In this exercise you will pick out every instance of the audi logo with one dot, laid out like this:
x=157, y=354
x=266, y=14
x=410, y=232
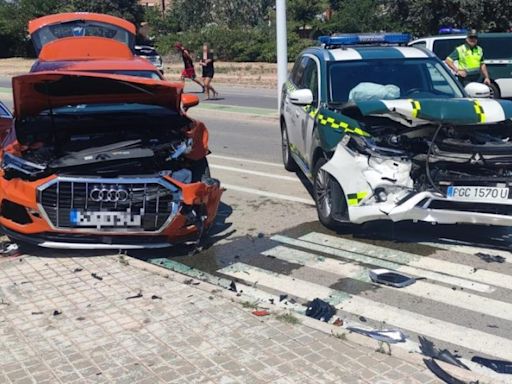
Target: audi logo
x=108, y=194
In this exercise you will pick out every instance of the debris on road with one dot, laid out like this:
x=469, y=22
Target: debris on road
x=320, y=310
x=37, y=313
x=500, y=366
x=232, y=286
x=390, y=336
x=428, y=349
x=282, y=297
x=96, y=276
x=442, y=374
x=338, y=322
x=76, y=270
x=491, y=258
x=260, y=312
x=155, y=297
x=137, y=296
x=57, y=312
x=8, y=248
x=391, y=278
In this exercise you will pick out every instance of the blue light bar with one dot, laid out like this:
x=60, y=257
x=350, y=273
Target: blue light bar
x=377, y=38
x=447, y=30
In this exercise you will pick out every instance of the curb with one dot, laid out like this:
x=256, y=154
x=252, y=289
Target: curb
x=399, y=353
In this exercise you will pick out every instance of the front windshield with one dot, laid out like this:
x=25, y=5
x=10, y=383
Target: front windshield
x=390, y=79
x=79, y=28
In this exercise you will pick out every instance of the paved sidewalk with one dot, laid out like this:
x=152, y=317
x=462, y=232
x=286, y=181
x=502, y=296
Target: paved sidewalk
x=71, y=320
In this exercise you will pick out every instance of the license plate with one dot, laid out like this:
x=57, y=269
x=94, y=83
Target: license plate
x=100, y=219
x=483, y=194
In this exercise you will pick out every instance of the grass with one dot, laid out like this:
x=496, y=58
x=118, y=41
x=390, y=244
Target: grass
x=340, y=335
x=288, y=318
x=250, y=305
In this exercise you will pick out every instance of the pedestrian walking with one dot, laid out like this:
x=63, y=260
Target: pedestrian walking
x=470, y=58
x=189, y=71
x=208, y=71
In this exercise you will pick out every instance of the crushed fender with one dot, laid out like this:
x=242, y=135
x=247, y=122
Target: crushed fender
x=320, y=310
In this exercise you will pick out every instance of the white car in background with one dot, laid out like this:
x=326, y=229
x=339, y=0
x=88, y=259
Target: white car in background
x=149, y=53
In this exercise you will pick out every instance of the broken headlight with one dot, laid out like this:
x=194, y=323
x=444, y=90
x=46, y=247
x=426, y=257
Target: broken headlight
x=368, y=146
x=17, y=164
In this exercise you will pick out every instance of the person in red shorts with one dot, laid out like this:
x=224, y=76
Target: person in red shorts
x=189, y=71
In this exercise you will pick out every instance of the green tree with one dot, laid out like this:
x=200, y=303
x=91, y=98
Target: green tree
x=130, y=10
x=303, y=11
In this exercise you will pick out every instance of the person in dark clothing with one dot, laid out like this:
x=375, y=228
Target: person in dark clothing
x=189, y=71
x=208, y=71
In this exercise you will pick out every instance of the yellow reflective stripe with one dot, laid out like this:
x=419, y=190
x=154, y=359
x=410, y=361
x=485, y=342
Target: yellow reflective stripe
x=479, y=111
x=416, y=108
x=356, y=198
x=337, y=124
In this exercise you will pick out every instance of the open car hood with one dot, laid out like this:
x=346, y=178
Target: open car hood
x=450, y=111
x=85, y=48
x=40, y=91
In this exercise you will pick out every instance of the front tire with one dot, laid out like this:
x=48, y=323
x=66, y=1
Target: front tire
x=495, y=91
x=331, y=205
x=288, y=162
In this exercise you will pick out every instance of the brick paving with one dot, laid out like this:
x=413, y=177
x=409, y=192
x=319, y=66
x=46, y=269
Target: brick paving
x=61, y=324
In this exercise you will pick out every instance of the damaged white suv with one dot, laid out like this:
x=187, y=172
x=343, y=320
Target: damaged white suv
x=385, y=131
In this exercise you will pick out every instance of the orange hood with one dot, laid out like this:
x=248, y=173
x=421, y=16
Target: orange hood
x=40, y=91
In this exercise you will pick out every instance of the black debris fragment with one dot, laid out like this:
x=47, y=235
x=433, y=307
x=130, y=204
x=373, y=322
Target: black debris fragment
x=81, y=318
x=260, y=235
x=57, y=312
x=196, y=283
x=362, y=319
x=155, y=297
x=37, y=313
x=96, y=276
x=232, y=286
x=271, y=301
x=76, y=270
x=500, y=366
x=320, y=310
x=282, y=297
x=390, y=336
x=188, y=281
x=428, y=349
x=137, y=296
x=442, y=374
x=391, y=278
x=491, y=258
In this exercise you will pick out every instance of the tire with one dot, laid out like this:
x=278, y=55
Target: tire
x=331, y=205
x=495, y=91
x=288, y=162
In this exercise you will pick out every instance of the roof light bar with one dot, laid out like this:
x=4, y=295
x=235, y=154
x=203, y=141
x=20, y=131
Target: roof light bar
x=355, y=39
x=448, y=31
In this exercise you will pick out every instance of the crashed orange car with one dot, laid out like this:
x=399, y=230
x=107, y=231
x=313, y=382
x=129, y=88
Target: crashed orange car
x=103, y=160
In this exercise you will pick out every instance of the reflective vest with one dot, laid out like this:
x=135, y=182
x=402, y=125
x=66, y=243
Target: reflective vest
x=470, y=59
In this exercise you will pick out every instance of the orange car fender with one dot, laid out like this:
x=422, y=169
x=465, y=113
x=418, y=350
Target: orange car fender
x=199, y=136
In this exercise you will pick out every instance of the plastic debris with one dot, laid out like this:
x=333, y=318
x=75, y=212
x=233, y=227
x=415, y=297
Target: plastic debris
x=76, y=270
x=260, y=312
x=232, y=286
x=500, y=366
x=391, y=278
x=96, y=276
x=390, y=336
x=442, y=374
x=338, y=322
x=57, y=312
x=282, y=297
x=491, y=258
x=428, y=349
x=320, y=310
x=155, y=297
x=137, y=296
x=8, y=248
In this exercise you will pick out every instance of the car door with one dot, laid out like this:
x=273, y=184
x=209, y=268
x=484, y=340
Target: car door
x=294, y=113
x=307, y=124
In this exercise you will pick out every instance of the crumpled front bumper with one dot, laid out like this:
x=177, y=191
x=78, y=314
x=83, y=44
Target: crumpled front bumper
x=26, y=220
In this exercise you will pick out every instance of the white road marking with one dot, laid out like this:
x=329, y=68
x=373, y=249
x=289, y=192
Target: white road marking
x=462, y=271
x=255, y=173
x=421, y=289
x=271, y=195
x=438, y=329
x=470, y=249
x=396, y=264
x=222, y=157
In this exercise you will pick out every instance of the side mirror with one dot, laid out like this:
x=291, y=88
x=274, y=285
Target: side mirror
x=189, y=100
x=301, y=97
x=478, y=90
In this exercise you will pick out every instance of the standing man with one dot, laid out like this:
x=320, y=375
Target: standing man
x=189, y=71
x=471, y=60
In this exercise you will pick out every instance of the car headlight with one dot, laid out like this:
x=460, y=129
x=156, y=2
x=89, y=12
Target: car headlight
x=368, y=146
x=11, y=162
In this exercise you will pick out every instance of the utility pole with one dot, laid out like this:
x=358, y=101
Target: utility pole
x=282, y=47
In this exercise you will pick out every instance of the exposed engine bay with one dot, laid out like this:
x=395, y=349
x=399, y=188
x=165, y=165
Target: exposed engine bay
x=146, y=140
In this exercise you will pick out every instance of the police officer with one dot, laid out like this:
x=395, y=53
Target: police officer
x=471, y=60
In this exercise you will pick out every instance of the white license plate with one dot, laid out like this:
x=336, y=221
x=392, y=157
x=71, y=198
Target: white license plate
x=483, y=194
x=100, y=219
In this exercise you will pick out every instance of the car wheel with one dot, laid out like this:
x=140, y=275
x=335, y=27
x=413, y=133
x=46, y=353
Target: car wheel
x=330, y=201
x=495, y=91
x=288, y=162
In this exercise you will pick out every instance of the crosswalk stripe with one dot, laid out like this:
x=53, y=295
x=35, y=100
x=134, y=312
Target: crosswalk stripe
x=272, y=195
x=421, y=289
x=384, y=263
x=255, y=173
x=463, y=271
x=438, y=329
x=470, y=250
x=230, y=158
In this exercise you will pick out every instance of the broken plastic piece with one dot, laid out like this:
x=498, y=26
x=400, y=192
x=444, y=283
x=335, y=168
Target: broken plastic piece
x=491, y=258
x=232, y=286
x=260, y=312
x=428, y=349
x=338, y=322
x=391, y=278
x=96, y=276
x=391, y=336
x=442, y=374
x=137, y=296
x=320, y=310
x=500, y=366
x=57, y=312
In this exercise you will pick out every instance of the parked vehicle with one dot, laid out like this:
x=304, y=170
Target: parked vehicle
x=5, y=121
x=497, y=49
x=385, y=131
x=100, y=157
x=150, y=54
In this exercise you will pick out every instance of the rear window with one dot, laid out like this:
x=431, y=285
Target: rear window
x=443, y=48
x=496, y=47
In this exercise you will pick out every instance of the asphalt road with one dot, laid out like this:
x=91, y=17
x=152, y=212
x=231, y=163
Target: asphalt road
x=268, y=242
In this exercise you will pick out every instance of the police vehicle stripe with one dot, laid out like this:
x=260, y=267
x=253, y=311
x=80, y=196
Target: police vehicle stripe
x=345, y=54
x=410, y=52
x=479, y=112
x=380, y=53
x=404, y=107
x=492, y=110
x=356, y=198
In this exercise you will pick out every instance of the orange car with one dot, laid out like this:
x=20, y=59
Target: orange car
x=101, y=160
